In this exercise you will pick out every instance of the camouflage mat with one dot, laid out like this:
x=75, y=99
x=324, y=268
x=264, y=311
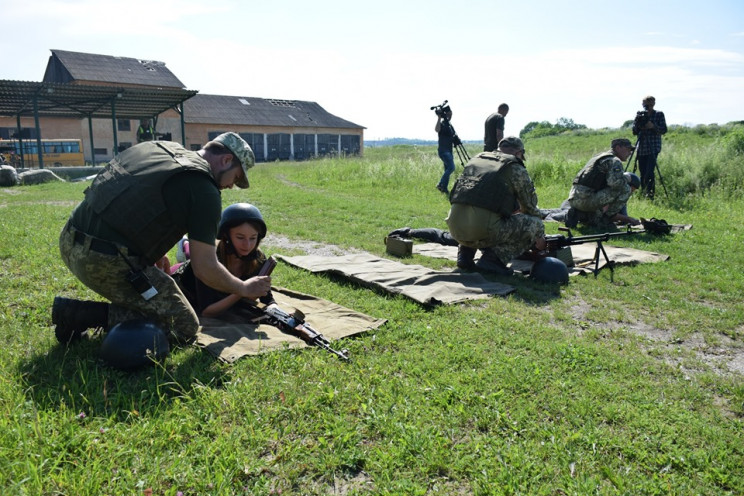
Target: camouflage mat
x=421, y=284
x=233, y=336
x=583, y=256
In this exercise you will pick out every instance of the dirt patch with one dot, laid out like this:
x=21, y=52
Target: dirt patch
x=723, y=358
x=278, y=242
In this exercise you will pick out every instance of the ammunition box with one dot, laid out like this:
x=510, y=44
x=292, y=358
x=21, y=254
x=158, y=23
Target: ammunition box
x=564, y=255
x=398, y=246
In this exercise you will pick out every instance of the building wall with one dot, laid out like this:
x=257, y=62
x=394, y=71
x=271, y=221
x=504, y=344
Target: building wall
x=167, y=122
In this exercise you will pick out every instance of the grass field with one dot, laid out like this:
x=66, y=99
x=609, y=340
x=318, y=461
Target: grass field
x=626, y=387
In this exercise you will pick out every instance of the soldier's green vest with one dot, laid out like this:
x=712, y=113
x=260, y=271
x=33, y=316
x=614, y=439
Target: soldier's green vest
x=127, y=194
x=485, y=183
x=590, y=176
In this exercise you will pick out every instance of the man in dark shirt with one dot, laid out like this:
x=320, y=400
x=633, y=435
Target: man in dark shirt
x=135, y=210
x=649, y=127
x=495, y=128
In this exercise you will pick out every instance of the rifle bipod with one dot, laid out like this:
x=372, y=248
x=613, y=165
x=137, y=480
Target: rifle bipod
x=610, y=263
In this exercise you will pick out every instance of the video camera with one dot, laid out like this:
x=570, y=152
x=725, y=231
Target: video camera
x=440, y=110
x=641, y=118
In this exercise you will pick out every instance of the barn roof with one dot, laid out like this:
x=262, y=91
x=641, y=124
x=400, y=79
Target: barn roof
x=239, y=110
x=68, y=67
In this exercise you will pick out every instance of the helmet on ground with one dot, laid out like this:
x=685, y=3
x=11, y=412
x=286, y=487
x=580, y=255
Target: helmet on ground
x=633, y=180
x=237, y=214
x=133, y=344
x=550, y=270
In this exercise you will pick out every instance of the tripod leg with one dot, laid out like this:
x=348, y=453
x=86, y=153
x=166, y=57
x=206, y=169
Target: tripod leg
x=661, y=180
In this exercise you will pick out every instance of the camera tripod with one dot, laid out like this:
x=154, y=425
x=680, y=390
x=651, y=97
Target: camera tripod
x=635, y=165
x=462, y=153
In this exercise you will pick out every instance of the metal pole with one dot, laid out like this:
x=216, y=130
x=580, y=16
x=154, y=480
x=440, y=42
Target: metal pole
x=20, y=142
x=113, y=121
x=183, y=125
x=38, y=133
x=92, y=145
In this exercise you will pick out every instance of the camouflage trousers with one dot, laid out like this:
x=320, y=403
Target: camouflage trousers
x=479, y=228
x=107, y=275
x=588, y=200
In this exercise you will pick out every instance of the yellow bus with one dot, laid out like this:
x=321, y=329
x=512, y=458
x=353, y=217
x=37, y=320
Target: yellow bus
x=55, y=152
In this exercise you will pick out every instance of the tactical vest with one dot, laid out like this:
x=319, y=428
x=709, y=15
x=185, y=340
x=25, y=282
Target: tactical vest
x=485, y=183
x=127, y=195
x=591, y=176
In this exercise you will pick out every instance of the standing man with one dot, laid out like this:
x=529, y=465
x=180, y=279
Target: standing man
x=145, y=131
x=494, y=209
x=649, y=125
x=135, y=210
x=446, y=136
x=601, y=190
x=495, y=128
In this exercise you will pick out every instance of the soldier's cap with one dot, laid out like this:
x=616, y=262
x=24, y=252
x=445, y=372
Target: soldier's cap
x=242, y=152
x=511, y=142
x=622, y=142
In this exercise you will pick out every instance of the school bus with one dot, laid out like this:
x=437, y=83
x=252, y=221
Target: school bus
x=55, y=152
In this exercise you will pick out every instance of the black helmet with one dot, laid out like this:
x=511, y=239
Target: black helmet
x=134, y=344
x=550, y=270
x=238, y=213
x=633, y=180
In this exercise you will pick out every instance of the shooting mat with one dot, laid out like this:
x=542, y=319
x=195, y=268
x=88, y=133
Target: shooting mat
x=232, y=336
x=583, y=256
x=421, y=284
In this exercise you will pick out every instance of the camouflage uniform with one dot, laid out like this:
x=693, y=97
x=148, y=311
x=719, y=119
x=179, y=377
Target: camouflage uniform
x=486, y=219
x=107, y=275
x=600, y=183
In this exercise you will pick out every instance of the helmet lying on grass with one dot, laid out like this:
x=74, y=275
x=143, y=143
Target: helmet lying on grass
x=133, y=344
x=550, y=270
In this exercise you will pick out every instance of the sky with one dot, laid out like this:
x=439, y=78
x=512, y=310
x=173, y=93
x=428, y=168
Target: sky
x=384, y=64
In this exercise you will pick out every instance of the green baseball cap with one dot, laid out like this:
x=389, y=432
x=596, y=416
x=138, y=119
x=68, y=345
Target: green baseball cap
x=242, y=151
x=622, y=142
x=511, y=142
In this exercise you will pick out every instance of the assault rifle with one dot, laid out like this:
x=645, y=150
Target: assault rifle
x=294, y=323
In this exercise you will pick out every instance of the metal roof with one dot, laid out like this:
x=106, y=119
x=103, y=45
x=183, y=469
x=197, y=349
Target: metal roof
x=65, y=67
x=80, y=101
x=238, y=110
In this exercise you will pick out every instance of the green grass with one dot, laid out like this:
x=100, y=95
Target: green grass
x=600, y=387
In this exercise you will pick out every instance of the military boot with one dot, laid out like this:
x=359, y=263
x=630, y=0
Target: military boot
x=572, y=218
x=489, y=262
x=465, y=257
x=73, y=317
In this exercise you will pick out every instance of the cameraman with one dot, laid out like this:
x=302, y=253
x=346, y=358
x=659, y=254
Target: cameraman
x=446, y=139
x=649, y=125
